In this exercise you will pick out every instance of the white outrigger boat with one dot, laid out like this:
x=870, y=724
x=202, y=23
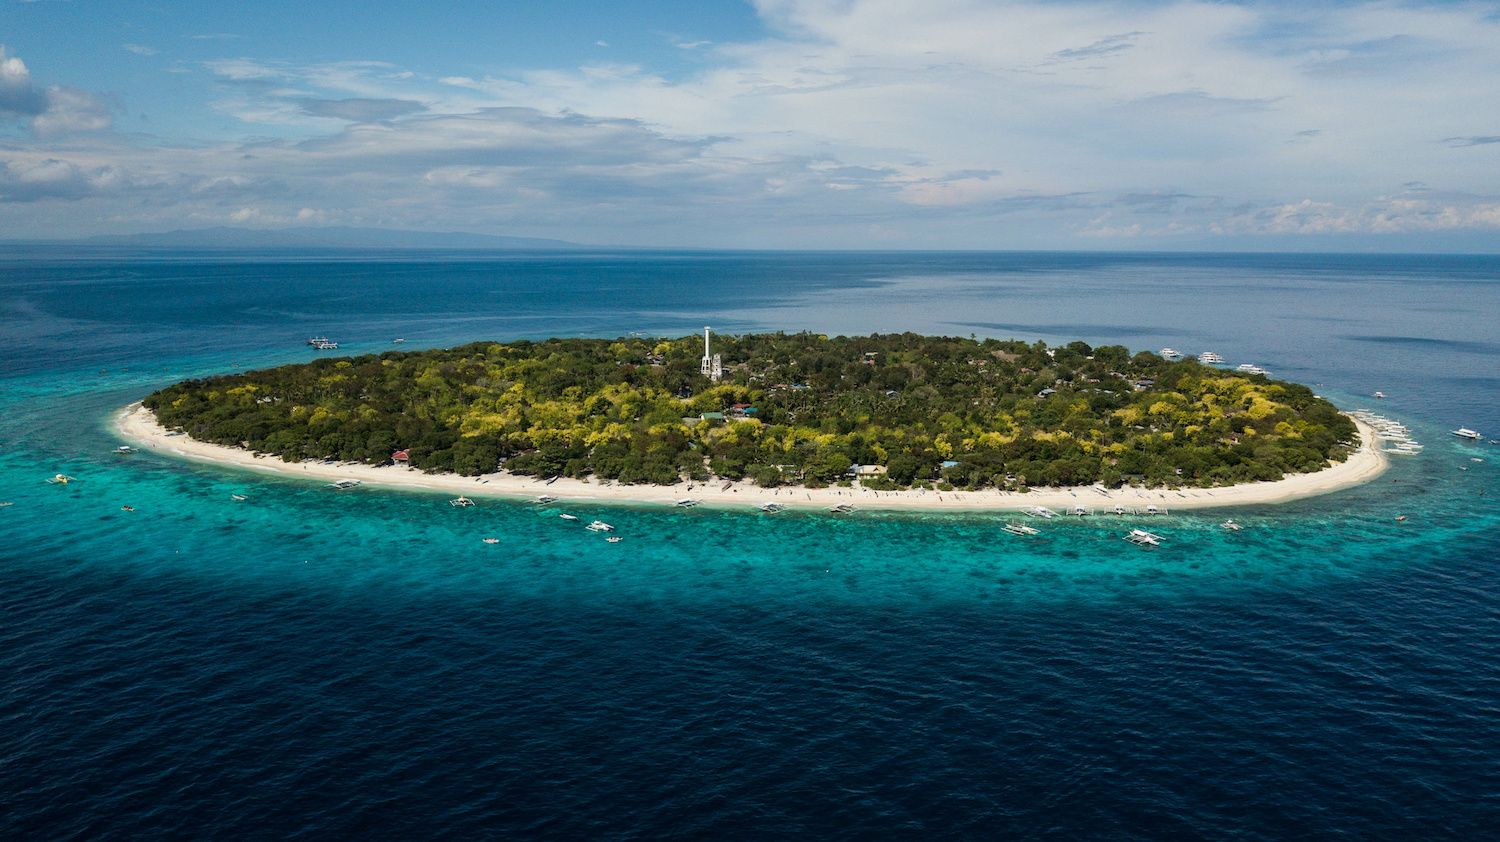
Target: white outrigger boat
x=842, y=509
x=543, y=500
x=686, y=503
x=1021, y=529
x=1080, y=511
x=124, y=449
x=61, y=479
x=599, y=526
x=342, y=484
x=1038, y=511
x=1231, y=526
x=1142, y=538
x=1119, y=509
x=1151, y=509
x=461, y=503
x=771, y=507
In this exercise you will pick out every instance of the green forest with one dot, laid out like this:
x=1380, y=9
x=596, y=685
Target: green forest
x=892, y=410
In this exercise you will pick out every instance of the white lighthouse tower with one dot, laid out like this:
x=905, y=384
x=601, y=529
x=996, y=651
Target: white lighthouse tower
x=712, y=366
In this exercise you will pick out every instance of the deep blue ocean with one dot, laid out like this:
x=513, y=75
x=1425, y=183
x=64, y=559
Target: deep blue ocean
x=318, y=665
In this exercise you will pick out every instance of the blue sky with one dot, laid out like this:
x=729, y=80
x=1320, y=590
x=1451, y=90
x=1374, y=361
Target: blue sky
x=773, y=124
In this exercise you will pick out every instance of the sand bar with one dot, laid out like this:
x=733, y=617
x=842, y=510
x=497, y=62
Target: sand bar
x=139, y=425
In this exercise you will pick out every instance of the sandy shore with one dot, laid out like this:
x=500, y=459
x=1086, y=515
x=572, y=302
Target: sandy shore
x=138, y=424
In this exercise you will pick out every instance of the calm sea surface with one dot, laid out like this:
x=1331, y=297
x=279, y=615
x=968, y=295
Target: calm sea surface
x=306, y=664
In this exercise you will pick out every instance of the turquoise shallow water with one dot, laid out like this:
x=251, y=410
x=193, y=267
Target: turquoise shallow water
x=309, y=663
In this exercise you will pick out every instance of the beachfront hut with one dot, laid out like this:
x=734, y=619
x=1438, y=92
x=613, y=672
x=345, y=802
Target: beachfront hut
x=400, y=457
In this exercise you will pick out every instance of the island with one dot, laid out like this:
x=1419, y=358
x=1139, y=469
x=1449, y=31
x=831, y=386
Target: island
x=899, y=413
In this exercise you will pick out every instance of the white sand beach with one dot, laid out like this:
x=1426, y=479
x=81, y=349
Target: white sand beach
x=139, y=425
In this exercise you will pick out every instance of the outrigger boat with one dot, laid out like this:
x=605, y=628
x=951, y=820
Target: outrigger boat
x=567, y=517
x=1142, y=538
x=614, y=539
x=124, y=449
x=1119, y=510
x=1153, y=510
x=1080, y=511
x=1231, y=525
x=1038, y=511
x=342, y=484
x=543, y=500
x=771, y=507
x=492, y=540
x=686, y=503
x=1020, y=529
x=461, y=503
x=599, y=526
x=62, y=479
x=842, y=509
x=238, y=497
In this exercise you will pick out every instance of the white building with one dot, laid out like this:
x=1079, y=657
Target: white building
x=712, y=366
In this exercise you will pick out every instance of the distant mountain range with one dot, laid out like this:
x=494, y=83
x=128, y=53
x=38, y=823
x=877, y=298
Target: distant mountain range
x=331, y=237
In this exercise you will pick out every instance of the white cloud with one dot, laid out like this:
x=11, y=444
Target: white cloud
x=954, y=122
x=141, y=50
x=50, y=111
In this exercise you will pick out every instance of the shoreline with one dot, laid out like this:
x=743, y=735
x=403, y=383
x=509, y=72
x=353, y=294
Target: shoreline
x=139, y=425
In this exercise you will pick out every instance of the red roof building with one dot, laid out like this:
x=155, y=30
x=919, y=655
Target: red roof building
x=399, y=456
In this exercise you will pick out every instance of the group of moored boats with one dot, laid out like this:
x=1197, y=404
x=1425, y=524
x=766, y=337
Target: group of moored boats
x=1211, y=358
x=1394, y=437
x=1085, y=511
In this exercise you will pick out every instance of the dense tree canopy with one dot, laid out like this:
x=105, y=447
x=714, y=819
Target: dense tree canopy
x=791, y=408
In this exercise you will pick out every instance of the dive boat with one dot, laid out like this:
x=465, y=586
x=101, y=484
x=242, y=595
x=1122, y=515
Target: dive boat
x=1210, y=358
x=1171, y=353
x=1380, y=395
x=1466, y=433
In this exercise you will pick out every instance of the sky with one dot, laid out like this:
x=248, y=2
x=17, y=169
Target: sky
x=839, y=124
